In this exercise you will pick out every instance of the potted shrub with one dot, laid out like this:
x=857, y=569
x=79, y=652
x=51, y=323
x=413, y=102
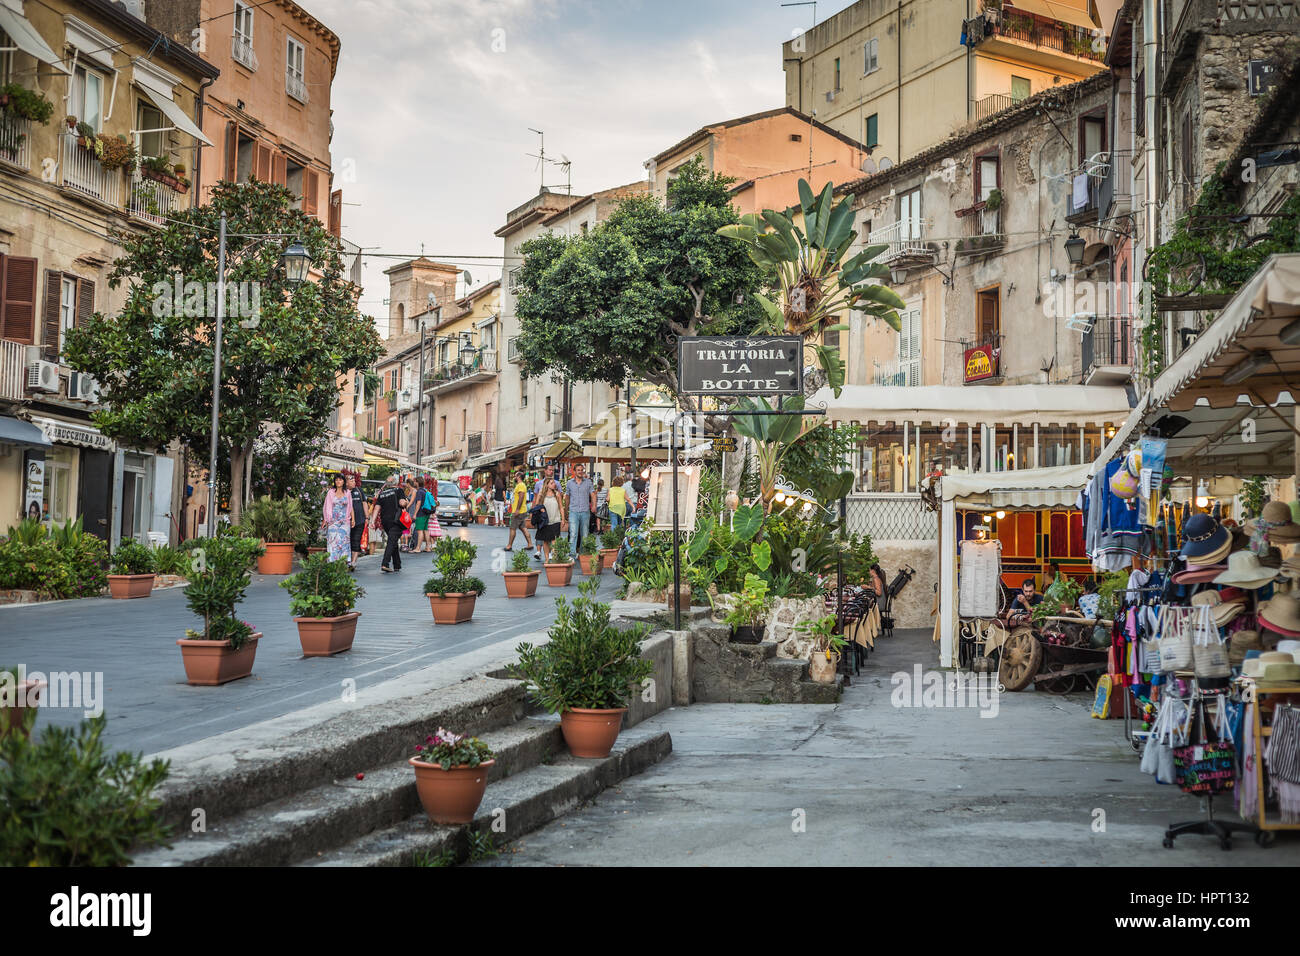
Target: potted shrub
x=586, y=673
x=559, y=570
x=115, y=152
x=132, y=571
x=748, y=614
x=18, y=696
x=452, y=592
x=826, y=648
x=26, y=104
x=589, y=556
x=521, y=579
x=611, y=539
x=451, y=772
x=279, y=523
x=224, y=650
x=321, y=598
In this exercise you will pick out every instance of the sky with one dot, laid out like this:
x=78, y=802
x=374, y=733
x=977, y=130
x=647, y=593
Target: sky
x=433, y=101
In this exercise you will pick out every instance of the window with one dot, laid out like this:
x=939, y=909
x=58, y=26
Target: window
x=523, y=392
x=909, y=214
x=151, y=129
x=488, y=334
x=870, y=56
x=837, y=86
x=547, y=413
x=1092, y=137
x=392, y=433
x=67, y=308
x=442, y=431
x=1140, y=105
x=988, y=319
x=242, y=43
x=6, y=57
x=909, y=347
x=86, y=100
x=873, y=130
x=988, y=174
x=1020, y=88
x=295, y=70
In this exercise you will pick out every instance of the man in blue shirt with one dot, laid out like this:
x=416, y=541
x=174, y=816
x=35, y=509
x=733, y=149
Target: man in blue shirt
x=581, y=496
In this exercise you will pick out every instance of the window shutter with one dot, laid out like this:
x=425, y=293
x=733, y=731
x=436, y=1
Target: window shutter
x=50, y=315
x=18, y=298
x=336, y=214
x=279, y=168
x=85, y=301
x=310, y=185
x=262, y=162
x=232, y=152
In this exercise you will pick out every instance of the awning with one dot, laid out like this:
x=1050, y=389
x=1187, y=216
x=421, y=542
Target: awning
x=174, y=113
x=993, y=405
x=375, y=455
x=1026, y=488
x=330, y=463
x=15, y=431
x=1056, y=10
x=487, y=458
x=442, y=456
x=26, y=38
x=568, y=445
x=69, y=433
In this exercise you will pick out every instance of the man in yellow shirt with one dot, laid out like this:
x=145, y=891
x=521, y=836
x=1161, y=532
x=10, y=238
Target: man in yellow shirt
x=518, y=511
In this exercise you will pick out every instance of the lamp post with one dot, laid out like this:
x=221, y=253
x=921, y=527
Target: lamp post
x=1074, y=247
x=296, y=262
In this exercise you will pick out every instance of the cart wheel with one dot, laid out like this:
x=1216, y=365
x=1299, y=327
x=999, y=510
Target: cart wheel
x=1169, y=843
x=1265, y=837
x=1022, y=655
x=1062, y=685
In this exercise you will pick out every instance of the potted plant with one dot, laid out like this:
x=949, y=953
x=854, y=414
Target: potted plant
x=611, y=539
x=26, y=104
x=994, y=201
x=586, y=673
x=451, y=773
x=17, y=696
x=279, y=523
x=559, y=570
x=589, y=556
x=132, y=571
x=115, y=152
x=826, y=648
x=748, y=614
x=452, y=592
x=521, y=579
x=321, y=598
x=85, y=134
x=224, y=650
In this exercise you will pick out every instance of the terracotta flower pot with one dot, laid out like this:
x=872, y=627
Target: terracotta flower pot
x=481, y=519
x=453, y=607
x=124, y=586
x=559, y=575
x=208, y=663
x=607, y=555
x=28, y=694
x=450, y=796
x=591, y=733
x=278, y=558
x=592, y=564
x=325, y=636
x=521, y=584
x=822, y=668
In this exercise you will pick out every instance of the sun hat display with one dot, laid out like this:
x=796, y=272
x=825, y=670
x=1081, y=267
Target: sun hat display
x=1240, y=642
x=1291, y=566
x=1281, y=613
x=1273, y=525
x=1290, y=647
x=1203, y=539
x=1221, y=612
x=1245, y=571
x=1271, y=558
x=1133, y=462
x=1272, y=666
x=1230, y=595
x=1199, y=573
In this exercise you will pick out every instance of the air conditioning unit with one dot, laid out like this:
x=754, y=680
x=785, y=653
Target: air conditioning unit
x=83, y=388
x=405, y=400
x=43, y=377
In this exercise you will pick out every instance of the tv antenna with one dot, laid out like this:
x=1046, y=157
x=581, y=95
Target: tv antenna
x=542, y=160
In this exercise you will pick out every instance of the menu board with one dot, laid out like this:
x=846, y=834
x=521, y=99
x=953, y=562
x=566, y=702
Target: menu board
x=979, y=579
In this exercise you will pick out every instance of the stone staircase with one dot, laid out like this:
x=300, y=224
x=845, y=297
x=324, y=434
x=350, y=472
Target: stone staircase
x=726, y=672
x=296, y=799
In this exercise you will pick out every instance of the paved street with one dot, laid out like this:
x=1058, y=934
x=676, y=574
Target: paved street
x=151, y=708
x=880, y=785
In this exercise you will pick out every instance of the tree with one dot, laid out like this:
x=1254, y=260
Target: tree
x=154, y=359
x=610, y=305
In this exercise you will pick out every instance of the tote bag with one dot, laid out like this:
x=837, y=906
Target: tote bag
x=1175, y=639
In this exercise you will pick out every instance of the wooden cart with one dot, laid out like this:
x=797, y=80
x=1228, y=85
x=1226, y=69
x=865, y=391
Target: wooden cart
x=1056, y=655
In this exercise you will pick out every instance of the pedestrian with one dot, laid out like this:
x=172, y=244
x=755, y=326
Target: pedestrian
x=581, y=501
x=602, y=504
x=617, y=503
x=519, y=513
x=499, y=498
x=550, y=500
x=548, y=474
x=431, y=502
x=359, y=518
x=390, y=501
x=337, y=518
x=420, y=531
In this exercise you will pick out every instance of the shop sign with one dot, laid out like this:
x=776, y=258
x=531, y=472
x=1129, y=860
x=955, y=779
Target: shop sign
x=981, y=362
x=727, y=445
x=33, y=484
x=723, y=365
x=463, y=481
x=65, y=433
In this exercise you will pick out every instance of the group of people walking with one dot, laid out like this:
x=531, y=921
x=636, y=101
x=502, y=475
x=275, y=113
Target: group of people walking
x=405, y=510
x=576, y=509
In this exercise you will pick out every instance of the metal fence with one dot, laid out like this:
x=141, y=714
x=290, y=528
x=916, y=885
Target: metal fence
x=892, y=517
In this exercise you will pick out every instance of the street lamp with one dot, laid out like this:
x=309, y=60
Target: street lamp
x=296, y=262
x=1074, y=247
x=897, y=276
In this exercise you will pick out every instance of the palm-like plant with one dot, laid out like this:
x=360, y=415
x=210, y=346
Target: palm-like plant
x=773, y=436
x=813, y=282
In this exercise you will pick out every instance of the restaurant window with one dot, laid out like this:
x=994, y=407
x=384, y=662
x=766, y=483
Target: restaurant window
x=1058, y=446
x=1004, y=450
x=1093, y=440
x=881, y=458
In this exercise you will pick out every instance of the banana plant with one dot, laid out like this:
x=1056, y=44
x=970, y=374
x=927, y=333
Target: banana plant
x=772, y=435
x=812, y=282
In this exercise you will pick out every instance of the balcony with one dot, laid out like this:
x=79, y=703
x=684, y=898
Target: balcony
x=1108, y=350
x=1049, y=43
x=15, y=140
x=476, y=443
x=907, y=243
x=893, y=374
x=981, y=231
x=995, y=103
x=472, y=366
x=82, y=173
x=1081, y=215
x=296, y=87
x=13, y=370
x=241, y=49
x=153, y=201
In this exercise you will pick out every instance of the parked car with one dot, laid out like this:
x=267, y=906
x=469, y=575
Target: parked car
x=453, y=508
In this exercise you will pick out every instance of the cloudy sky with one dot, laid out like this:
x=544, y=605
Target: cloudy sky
x=434, y=99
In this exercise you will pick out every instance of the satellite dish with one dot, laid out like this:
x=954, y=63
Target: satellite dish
x=469, y=280
x=885, y=163
x=868, y=165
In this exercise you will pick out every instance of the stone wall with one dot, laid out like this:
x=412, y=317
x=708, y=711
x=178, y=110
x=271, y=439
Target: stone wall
x=912, y=607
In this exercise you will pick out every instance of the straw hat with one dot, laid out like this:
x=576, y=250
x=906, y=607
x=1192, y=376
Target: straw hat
x=1239, y=642
x=1221, y=612
x=1277, y=521
x=1272, y=665
x=1231, y=595
x=1281, y=614
x=1198, y=573
x=1291, y=566
x=1204, y=539
x=1246, y=571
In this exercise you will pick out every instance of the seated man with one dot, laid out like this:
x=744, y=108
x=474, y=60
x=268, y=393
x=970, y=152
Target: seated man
x=1027, y=599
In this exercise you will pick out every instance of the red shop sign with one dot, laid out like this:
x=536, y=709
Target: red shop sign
x=981, y=362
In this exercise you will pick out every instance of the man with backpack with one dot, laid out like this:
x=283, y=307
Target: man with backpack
x=519, y=512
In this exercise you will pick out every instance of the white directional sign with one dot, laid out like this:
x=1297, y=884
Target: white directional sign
x=723, y=365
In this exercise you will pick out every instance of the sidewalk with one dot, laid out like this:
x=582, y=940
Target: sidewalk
x=880, y=785
x=150, y=707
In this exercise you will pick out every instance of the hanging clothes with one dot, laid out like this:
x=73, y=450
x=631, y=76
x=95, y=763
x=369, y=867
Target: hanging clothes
x=1282, y=757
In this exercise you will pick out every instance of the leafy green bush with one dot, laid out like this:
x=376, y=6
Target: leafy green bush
x=67, y=802
x=520, y=563
x=29, y=104
x=168, y=560
x=65, y=563
x=453, y=558
x=611, y=537
x=276, y=520
x=449, y=750
x=588, y=663
x=219, y=576
x=561, y=551
x=132, y=557
x=589, y=546
x=752, y=604
x=323, y=588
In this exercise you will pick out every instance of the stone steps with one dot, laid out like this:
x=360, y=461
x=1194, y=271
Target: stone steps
x=727, y=672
